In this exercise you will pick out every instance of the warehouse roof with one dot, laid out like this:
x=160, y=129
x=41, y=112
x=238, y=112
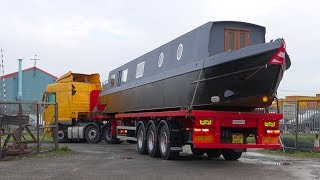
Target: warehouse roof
x=25, y=70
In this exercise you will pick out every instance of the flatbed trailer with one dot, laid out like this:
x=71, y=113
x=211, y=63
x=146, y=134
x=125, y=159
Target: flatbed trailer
x=215, y=133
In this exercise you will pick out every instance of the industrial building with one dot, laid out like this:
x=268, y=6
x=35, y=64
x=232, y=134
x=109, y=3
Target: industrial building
x=33, y=83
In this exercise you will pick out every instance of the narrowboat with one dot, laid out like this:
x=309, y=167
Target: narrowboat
x=224, y=65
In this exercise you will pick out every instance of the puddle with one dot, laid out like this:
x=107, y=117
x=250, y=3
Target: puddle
x=125, y=158
x=283, y=163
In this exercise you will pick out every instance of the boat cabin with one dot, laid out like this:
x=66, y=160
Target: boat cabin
x=205, y=41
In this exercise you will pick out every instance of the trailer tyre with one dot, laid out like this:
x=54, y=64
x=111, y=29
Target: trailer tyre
x=231, y=155
x=107, y=135
x=164, y=144
x=152, y=141
x=92, y=134
x=213, y=153
x=141, y=140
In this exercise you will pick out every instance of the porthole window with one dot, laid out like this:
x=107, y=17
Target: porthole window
x=160, y=60
x=179, y=52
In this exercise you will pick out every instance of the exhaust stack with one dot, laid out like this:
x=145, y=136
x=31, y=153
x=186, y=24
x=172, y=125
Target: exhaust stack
x=19, y=96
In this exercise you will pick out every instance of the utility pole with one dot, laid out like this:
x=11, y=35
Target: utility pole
x=3, y=82
x=35, y=59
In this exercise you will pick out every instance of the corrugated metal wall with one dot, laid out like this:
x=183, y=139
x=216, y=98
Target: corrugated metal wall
x=34, y=83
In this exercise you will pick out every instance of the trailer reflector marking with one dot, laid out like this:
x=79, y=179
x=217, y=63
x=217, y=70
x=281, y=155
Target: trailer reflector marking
x=203, y=139
x=269, y=124
x=205, y=122
x=270, y=140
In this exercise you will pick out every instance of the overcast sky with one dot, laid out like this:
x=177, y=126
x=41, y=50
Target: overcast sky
x=97, y=36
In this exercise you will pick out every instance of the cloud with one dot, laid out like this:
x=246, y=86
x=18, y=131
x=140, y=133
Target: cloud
x=85, y=36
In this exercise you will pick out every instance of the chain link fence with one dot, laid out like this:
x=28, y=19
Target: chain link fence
x=23, y=130
x=300, y=124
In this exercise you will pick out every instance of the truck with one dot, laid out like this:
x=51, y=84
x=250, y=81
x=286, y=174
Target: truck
x=81, y=116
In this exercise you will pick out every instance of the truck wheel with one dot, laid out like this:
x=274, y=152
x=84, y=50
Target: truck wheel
x=213, y=153
x=164, y=144
x=107, y=135
x=231, y=155
x=198, y=152
x=152, y=141
x=92, y=134
x=62, y=135
x=141, y=140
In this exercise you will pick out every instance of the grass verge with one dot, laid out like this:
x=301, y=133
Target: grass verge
x=291, y=153
x=51, y=152
x=44, y=152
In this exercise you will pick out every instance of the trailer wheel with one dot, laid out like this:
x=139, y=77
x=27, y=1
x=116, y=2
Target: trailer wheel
x=107, y=136
x=152, y=141
x=164, y=144
x=92, y=134
x=213, y=153
x=141, y=140
x=231, y=155
x=198, y=152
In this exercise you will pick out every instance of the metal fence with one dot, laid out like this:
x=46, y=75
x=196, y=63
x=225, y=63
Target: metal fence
x=23, y=130
x=300, y=124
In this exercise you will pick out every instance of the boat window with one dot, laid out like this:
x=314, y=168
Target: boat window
x=242, y=40
x=179, y=51
x=231, y=40
x=112, y=80
x=160, y=60
x=124, y=76
x=236, y=39
x=140, y=70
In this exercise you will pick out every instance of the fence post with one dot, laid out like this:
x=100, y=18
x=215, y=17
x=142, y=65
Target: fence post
x=0, y=138
x=297, y=125
x=38, y=129
x=56, y=144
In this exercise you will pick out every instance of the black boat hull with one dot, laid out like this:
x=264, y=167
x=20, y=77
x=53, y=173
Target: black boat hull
x=240, y=85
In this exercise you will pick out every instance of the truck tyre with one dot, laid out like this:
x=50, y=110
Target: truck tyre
x=62, y=134
x=141, y=140
x=164, y=144
x=152, y=141
x=231, y=155
x=92, y=134
x=213, y=153
x=107, y=136
x=198, y=152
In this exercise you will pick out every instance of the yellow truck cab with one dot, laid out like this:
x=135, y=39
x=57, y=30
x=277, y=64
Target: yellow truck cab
x=77, y=96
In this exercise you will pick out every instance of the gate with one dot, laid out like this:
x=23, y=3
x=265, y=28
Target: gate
x=300, y=124
x=22, y=128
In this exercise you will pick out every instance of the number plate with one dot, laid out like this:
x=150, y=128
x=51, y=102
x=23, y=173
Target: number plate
x=237, y=139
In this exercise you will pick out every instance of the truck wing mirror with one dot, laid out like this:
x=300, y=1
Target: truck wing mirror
x=43, y=97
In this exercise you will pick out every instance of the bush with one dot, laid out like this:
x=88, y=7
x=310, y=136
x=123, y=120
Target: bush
x=305, y=141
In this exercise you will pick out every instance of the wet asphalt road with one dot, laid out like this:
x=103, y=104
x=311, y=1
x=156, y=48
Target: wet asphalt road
x=104, y=161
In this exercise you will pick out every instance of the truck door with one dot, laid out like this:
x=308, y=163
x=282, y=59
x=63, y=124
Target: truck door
x=48, y=107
